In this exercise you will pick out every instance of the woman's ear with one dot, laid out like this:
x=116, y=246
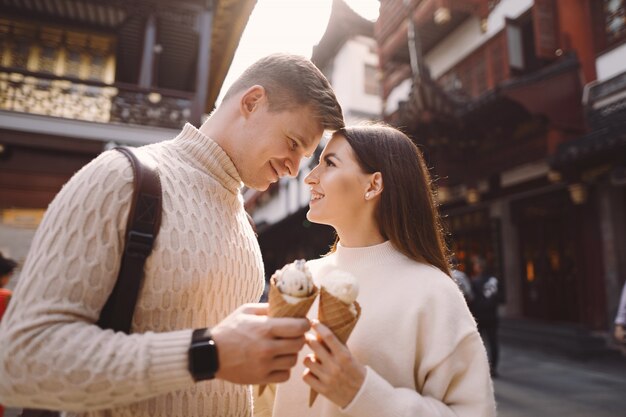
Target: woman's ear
x=375, y=186
x=250, y=99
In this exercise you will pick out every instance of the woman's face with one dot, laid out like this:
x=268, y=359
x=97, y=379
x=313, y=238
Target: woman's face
x=338, y=186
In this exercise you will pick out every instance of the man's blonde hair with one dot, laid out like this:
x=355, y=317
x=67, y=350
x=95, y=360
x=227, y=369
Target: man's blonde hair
x=289, y=81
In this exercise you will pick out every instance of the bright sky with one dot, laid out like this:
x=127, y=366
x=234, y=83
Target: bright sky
x=292, y=26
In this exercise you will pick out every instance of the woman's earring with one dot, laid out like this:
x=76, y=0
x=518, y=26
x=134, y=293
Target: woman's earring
x=367, y=196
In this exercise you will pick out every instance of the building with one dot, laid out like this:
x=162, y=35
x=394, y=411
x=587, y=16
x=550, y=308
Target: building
x=519, y=107
x=347, y=55
x=79, y=76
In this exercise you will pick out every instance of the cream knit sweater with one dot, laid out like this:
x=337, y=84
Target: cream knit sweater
x=416, y=337
x=206, y=262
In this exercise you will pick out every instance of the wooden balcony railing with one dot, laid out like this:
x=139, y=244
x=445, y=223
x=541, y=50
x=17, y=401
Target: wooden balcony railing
x=481, y=71
x=49, y=95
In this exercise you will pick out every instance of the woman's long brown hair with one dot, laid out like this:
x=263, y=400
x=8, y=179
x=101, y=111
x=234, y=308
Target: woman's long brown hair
x=406, y=214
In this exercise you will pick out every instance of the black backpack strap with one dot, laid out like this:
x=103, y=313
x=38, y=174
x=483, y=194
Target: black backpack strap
x=144, y=220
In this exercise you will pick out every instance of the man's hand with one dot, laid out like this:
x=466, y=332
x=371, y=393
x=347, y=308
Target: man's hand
x=255, y=349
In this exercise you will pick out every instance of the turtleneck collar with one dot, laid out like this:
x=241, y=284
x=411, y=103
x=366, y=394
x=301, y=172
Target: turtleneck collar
x=207, y=155
x=368, y=255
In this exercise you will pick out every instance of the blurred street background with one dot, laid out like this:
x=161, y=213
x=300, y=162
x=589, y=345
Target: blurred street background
x=518, y=105
x=535, y=384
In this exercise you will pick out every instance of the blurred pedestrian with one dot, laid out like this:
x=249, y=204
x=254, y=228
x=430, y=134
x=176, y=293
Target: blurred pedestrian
x=7, y=266
x=484, y=307
x=620, y=318
x=461, y=279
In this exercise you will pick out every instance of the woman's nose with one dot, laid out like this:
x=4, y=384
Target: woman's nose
x=311, y=177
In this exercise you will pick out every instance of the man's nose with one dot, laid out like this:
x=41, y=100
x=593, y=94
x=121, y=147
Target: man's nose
x=292, y=166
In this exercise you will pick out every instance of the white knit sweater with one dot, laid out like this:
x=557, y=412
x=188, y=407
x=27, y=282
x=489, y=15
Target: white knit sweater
x=205, y=263
x=416, y=337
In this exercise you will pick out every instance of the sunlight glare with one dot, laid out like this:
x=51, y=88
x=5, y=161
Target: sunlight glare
x=292, y=26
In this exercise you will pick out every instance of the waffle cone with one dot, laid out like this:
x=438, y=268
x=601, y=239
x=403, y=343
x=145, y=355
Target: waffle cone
x=278, y=307
x=336, y=315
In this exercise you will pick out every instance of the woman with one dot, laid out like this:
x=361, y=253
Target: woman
x=415, y=350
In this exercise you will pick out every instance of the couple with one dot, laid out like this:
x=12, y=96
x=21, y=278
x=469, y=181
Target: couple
x=415, y=350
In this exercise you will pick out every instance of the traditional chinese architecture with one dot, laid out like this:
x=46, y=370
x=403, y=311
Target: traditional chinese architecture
x=79, y=75
x=525, y=138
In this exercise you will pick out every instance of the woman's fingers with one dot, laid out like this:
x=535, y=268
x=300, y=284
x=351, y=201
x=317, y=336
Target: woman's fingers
x=315, y=367
x=328, y=337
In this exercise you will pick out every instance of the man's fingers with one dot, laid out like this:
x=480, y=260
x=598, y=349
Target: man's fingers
x=281, y=347
x=284, y=362
x=277, y=376
x=258, y=309
x=286, y=327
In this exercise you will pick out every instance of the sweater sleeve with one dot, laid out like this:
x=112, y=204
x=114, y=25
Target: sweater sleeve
x=52, y=354
x=464, y=372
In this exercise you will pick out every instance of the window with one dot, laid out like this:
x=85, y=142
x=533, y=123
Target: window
x=371, y=86
x=615, y=20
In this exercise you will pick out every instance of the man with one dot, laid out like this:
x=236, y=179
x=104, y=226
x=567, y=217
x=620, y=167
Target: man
x=484, y=307
x=205, y=264
x=461, y=280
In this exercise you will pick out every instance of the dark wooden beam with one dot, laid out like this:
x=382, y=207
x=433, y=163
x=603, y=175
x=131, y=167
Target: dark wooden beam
x=147, y=59
x=205, y=20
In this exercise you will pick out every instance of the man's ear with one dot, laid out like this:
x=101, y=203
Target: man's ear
x=251, y=99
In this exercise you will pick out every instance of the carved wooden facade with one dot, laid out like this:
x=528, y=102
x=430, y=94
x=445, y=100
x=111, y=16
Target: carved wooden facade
x=76, y=75
x=519, y=173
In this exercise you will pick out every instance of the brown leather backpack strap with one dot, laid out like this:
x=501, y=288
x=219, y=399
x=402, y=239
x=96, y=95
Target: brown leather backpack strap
x=144, y=221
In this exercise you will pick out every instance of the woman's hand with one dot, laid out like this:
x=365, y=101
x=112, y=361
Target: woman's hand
x=332, y=370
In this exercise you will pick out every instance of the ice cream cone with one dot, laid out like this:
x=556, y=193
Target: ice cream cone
x=338, y=317
x=279, y=307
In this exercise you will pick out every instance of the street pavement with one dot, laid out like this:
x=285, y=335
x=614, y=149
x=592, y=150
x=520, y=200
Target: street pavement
x=536, y=384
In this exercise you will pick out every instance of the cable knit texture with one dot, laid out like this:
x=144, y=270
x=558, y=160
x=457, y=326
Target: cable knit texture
x=206, y=262
x=416, y=337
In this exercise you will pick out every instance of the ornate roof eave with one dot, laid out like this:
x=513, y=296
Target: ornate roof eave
x=429, y=103
x=342, y=24
x=229, y=22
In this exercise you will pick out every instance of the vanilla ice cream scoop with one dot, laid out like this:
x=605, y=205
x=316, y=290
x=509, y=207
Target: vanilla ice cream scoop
x=342, y=285
x=295, y=280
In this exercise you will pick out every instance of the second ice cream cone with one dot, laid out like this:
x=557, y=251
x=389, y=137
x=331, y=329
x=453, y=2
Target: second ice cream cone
x=338, y=317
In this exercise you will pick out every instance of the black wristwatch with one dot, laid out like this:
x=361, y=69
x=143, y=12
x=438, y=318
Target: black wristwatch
x=203, y=360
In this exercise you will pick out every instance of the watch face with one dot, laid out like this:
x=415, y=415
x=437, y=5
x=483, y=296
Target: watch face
x=203, y=361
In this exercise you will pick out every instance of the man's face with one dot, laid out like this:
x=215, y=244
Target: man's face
x=275, y=142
